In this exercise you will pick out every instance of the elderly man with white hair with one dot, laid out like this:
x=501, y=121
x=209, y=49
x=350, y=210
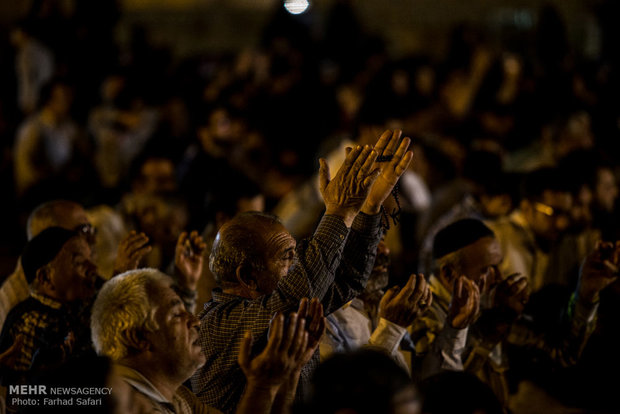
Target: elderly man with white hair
x=140, y=322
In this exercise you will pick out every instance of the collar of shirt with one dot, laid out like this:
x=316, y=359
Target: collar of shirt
x=46, y=300
x=140, y=383
x=220, y=296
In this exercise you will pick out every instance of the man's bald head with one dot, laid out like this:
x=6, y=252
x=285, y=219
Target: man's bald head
x=243, y=241
x=57, y=213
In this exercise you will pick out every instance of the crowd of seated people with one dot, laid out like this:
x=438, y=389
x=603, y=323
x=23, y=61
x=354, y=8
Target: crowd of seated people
x=258, y=233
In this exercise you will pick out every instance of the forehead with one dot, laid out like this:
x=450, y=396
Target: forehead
x=76, y=246
x=557, y=199
x=157, y=166
x=71, y=216
x=484, y=252
x=163, y=296
x=278, y=239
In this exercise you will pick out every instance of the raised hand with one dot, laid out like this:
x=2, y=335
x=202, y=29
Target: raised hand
x=465, y=303
x=345, y=194
x=312, y=311
x=513, y=293
x=401, y=306
x=393, y=159
x=130, y=251
x=600, y=269
x=282, y=355
x=189, y=259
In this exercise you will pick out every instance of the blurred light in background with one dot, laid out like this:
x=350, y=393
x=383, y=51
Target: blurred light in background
x=296, y=6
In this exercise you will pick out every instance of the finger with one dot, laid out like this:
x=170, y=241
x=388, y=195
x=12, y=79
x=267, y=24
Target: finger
x=133, y=239
x=401, y=151
x=428, y=298
x=302, y=311
x=458, y=287
x=513, y=278
x=245, y=350
x=276, y=332
x=368, y=163
x=482, y=283
x=324, y=176
x=393, y=142
x=350, y=160
x=128, y=236
x=317, y=316
x=383, y=142
x=303, y=346
x=420, y=289
x=408, y=289
x=140, y=253
x=475, y=299
x=610, y=266
x=291, y=329
x=347, y=151
x=300, y=332
x=517, y=287
x=372, y=177
x=360, y=161
x=181, y=240
x=404, y=163
x=389, y=295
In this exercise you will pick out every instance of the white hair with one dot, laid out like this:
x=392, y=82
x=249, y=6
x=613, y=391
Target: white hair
x=124, y=311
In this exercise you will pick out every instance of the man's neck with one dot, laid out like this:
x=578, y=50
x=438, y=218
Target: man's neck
x=239, y=290
x=166, y=384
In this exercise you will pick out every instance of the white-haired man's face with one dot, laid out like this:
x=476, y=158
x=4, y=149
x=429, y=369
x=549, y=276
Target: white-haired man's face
x=176, y=342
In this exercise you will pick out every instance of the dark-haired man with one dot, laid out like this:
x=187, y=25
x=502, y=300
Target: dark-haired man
x=528, y=236
x=58, y=268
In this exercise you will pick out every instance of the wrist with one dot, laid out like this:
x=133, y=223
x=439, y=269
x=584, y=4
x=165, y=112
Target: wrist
x=371, y=208
x=345, y=214
x=263, y=387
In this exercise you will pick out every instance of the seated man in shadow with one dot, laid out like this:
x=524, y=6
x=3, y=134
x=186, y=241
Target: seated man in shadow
x=50, y=323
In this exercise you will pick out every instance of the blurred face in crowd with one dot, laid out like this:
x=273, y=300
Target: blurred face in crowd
x=73, y=217
x=72, y=274
x=68, y=215
x=480, y=262
x=406, y=401
x=581, y=214
x=175, y=343
x=606, y=190
x=157, y=176
x=279, y=256
x=60, y=100
x=550, y=217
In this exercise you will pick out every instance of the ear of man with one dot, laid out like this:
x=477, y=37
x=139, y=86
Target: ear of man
x=43, y=280
x=447, y=275
x=246, y=277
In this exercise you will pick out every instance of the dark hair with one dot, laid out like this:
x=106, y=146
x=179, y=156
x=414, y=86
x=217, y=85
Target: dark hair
x=537, y=182
x=43, y=248
x=454, y=392
x=365, y=380
x=459, y=234
x=47, y=90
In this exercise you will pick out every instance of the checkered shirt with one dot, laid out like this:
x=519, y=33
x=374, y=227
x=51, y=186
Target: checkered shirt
x=334, y=265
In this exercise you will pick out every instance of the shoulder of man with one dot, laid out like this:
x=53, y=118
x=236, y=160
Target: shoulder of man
x=195, y=404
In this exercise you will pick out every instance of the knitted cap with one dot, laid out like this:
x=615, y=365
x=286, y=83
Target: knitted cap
x=458, y=235
x=43, y=248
